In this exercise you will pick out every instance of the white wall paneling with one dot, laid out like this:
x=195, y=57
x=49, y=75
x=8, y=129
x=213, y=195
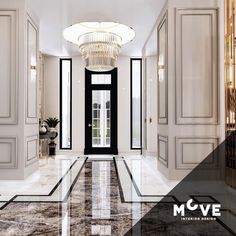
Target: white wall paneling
x=162, y=41
x=162, y=148
x=18, y=49
x=196, y=66
x=8, y=68
x=189, y=56
x=8, y=150
x=31, y=150
x=32, y=73
x=151, y=105
x=41, y=97
x=190, y=151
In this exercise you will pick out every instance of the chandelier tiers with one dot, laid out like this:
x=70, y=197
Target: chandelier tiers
x=99, y=42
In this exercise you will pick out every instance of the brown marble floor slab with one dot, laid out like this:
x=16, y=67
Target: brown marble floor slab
x=94, y=207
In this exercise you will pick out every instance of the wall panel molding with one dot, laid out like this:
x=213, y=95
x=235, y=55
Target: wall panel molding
x=32, y=149
x=196, y=66
x=162, y=72
x=9, y=66
x=32, y=73
x=162, y=149
x=8, y=150
x=191, y=151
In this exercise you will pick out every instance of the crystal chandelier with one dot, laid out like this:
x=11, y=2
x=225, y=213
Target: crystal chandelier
x=99, y=42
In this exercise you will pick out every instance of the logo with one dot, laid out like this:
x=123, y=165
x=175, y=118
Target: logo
x=204, y=209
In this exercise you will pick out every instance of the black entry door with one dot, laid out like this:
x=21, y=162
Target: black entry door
x=101, y=112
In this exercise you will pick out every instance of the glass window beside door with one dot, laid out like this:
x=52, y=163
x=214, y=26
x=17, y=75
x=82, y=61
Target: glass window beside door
x=136, y=103
x=65, y=103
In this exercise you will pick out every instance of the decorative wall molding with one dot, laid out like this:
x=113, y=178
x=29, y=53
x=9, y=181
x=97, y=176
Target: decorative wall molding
x=191, y=151
x=32, y=149
x=8, y=150
x=162, y=149
x=196, y=66
x=32, y=73
x=9, y=66
x=162, y=72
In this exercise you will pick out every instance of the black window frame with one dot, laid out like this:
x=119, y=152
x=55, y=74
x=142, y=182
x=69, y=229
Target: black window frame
x=131, y=103
x=60, y=135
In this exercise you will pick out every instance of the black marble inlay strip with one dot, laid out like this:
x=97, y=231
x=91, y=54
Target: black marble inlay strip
x=7, y=203
x=119, y=183
x=136, y=186
x=175, y=200
x=75, y=180
x=52, y=191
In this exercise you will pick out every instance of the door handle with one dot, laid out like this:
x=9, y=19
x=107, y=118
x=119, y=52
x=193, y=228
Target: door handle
x=90, y=125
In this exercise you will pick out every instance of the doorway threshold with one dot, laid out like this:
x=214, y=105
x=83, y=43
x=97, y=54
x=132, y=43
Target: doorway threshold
x=102, y=157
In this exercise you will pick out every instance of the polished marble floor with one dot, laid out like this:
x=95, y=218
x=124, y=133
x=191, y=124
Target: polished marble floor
x=140, y=183
x=50, y=171
x=72, y=195
x=86, y=202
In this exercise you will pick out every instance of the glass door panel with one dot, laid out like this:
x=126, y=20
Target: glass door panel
x=100, y=118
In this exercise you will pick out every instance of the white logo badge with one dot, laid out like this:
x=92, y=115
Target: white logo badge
x=180, y=210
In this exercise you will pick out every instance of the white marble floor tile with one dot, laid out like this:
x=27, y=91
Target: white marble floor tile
x=41, y=182
x=148, y=181
x=100, y=157
x=61, y=191
x=132, y=194
x=2, y=203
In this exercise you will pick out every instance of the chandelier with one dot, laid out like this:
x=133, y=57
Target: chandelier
x=99, y=42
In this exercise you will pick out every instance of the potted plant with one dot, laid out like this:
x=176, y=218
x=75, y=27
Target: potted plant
x=52, y=123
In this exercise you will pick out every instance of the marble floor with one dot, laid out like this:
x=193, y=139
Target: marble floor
x=72, y=195
x=140, y=182
x=137, y=178
x=50, y=172
x=85, y=201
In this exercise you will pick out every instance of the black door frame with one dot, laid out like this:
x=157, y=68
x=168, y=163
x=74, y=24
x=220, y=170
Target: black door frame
x=89, y=87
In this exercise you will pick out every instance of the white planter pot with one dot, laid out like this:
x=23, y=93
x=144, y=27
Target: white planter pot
x=51, y=129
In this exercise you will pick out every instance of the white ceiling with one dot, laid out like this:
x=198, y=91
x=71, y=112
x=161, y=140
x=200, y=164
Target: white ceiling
x=55, y=15
x=151, y=44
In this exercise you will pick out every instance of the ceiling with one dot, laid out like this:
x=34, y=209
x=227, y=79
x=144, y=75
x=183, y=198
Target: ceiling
x=55, y=15
x=151, y=44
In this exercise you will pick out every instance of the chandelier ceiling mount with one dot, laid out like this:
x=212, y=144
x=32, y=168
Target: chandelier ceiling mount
x=99, y=42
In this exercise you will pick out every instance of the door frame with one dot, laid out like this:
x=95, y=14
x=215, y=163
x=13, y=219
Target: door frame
x=89, y=87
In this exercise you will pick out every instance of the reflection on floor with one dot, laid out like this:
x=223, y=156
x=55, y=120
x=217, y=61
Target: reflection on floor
x=41, y=182
x=91, y=196
x=140, y=183
x=92, y=207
